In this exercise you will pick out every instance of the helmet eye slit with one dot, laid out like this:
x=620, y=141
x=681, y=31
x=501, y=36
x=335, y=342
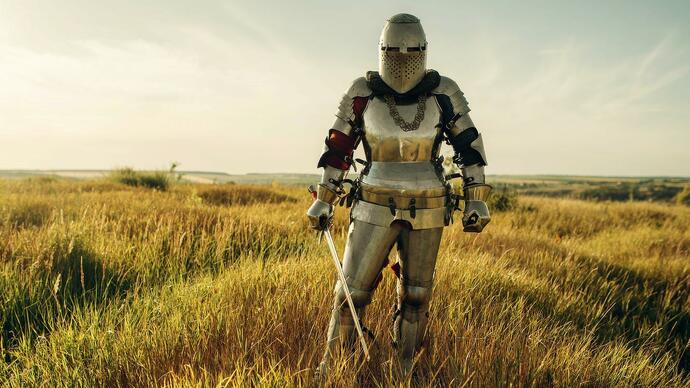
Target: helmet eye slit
x=397, y=49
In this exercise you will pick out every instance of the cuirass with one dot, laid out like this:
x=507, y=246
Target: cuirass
x=388, y=142
x=401, y=182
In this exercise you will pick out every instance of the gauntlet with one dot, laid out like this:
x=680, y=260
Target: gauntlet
x=476, y=214
x=320, y=213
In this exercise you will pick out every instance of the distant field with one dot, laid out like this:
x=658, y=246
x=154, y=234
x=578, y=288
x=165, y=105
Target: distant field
x=106, y=284
x=187, y=176
x=658, y=189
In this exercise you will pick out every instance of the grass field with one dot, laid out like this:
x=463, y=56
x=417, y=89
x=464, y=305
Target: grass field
x=105, y=284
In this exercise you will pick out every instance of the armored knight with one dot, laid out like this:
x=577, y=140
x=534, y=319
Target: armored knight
x=401, y=115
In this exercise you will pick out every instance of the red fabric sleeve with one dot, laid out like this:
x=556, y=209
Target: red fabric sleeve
x=340, y=150
x=341, y=146
x=341, y=142
x=358, y=106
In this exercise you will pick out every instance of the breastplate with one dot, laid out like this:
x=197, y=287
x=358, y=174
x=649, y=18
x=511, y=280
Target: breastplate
x=389, y=143
x=401, y=160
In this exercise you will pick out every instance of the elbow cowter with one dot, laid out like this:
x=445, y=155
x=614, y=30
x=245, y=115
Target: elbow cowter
x=339, y=150
x=468, y=149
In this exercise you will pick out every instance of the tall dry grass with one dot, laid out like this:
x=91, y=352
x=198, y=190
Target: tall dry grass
x=105, y=284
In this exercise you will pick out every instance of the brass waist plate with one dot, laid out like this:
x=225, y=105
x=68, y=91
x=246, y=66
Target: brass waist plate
x=412, y=192
x=404, y=202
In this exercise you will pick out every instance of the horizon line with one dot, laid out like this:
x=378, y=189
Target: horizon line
x=316, y=173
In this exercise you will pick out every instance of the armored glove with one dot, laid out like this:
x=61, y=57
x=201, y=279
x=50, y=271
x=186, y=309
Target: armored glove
x=320, y=213
x=476, y=214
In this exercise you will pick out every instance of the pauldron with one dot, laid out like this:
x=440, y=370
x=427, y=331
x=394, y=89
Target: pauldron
x=346, y=133
x=457, y=126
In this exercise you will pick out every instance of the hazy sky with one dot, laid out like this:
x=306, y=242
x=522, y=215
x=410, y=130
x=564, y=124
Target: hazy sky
x=574, y=87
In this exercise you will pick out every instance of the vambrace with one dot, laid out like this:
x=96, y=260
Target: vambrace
x=338, y=151
x=469, y=148
x=473, y=175
x=328, y=189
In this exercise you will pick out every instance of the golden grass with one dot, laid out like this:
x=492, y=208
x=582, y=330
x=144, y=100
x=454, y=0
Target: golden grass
x=104, y=284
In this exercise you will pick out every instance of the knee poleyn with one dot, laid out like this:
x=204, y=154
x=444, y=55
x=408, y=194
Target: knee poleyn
x=360, y=298
x=416, y=296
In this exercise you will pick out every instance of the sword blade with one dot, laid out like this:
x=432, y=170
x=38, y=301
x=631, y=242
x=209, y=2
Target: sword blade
x=346, y=290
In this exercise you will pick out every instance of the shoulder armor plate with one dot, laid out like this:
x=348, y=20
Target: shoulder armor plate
x=359, y=88
x=345, y=113
x=449, y=88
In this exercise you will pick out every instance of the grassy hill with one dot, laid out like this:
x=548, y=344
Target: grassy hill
x=107, y=284
x=658, y=189
x=186, y=176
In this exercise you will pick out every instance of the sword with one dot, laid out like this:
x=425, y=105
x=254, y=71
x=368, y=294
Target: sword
x=346, y=290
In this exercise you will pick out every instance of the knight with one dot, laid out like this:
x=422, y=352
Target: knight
x=400, y=115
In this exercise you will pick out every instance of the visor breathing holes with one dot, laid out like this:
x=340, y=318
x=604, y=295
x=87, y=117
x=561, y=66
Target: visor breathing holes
x=402, y=69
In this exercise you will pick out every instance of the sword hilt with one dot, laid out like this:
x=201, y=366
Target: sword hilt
x=312, y=191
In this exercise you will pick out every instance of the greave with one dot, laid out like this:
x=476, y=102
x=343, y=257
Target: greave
x=410, y=323
x=341, y=329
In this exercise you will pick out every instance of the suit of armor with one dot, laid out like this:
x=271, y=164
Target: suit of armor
x=400, y=115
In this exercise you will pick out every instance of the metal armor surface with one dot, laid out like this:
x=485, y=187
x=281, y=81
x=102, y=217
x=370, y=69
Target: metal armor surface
x=389, y=143
x=460, y=106
x=402, y=181
x=401, y=169
x=345, y=114
x=330, y=175
x=316, y=213
x=402, y=54
x=405, y=179
x=365, y=257
x=451, y=89
x=400, y=116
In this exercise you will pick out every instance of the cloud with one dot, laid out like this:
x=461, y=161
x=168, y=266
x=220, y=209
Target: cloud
x=582, y=113
x=219, y=87
x=208, y=98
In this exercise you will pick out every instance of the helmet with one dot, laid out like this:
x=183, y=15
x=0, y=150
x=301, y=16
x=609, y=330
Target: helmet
x=402, y=52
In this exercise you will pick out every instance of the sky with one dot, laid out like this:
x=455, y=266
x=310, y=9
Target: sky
x=555, y=87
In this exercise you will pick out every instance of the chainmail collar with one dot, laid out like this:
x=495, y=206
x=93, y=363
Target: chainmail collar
x=379, y=88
